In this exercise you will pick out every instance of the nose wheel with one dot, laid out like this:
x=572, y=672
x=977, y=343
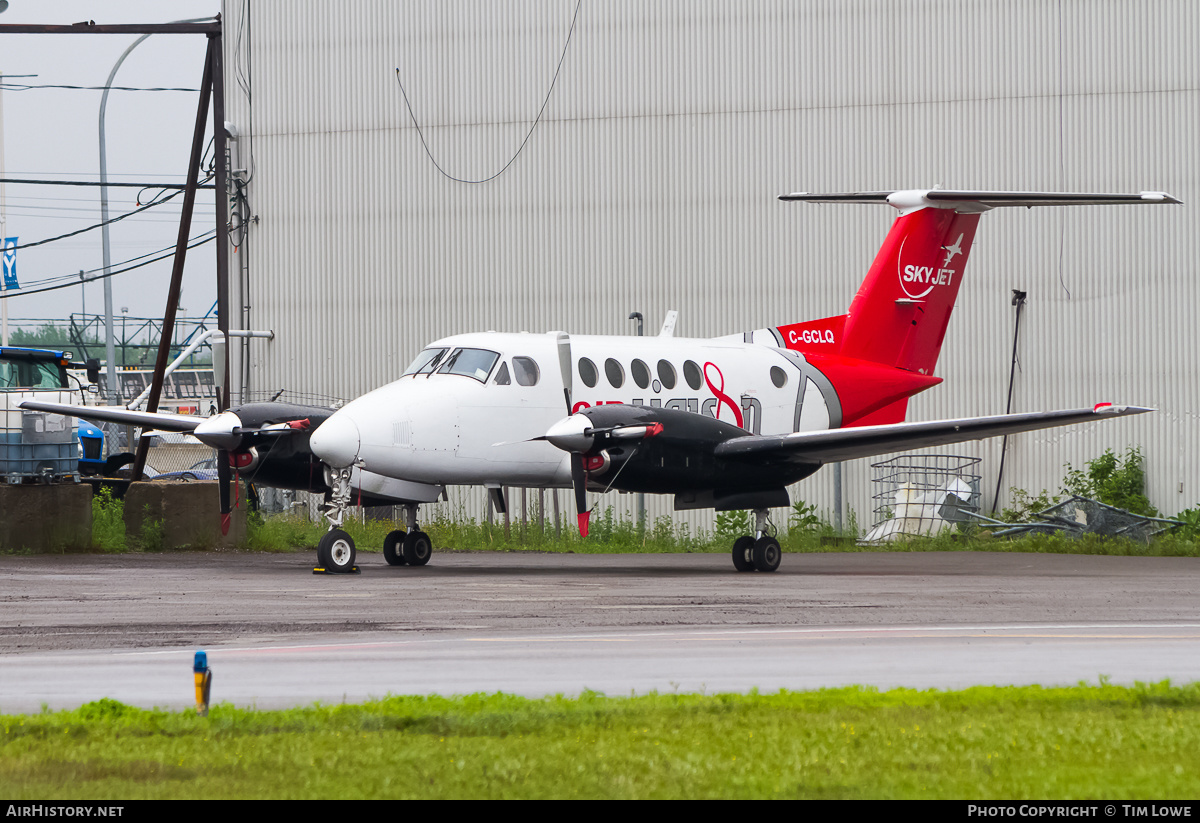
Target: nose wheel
x=335, y=552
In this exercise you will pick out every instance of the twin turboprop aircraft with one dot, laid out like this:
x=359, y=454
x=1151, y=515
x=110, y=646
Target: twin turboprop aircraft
x=724, y=423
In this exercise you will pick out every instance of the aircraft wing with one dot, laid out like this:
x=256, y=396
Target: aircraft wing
x=867, y=441
x=119, y=414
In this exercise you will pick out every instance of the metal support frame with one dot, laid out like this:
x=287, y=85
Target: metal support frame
x=211, y=85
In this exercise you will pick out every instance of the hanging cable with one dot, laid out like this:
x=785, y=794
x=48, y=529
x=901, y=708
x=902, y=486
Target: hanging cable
x=520, y=148
x=158, y=200
x=1018, y=300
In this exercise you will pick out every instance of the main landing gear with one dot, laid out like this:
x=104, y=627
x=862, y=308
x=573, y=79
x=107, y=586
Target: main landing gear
x=761, y=552
x=412, y=547
x=335, y=552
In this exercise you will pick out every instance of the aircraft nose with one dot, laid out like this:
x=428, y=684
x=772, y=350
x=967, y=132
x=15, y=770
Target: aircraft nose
x=336, y=441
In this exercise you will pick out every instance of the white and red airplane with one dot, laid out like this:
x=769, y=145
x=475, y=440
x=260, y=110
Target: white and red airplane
x=724, y=423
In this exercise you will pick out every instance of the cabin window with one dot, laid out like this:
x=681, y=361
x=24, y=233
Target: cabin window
x=526, y=371
x=502, y=378
x=666, y=373
x=588, y=373
x=615, y=373
x=476, y=363
x=426, y=362
x=691, y=373
x=778, y=377
x=641, y=373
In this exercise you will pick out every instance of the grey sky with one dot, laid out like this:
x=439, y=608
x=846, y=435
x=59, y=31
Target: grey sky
x=53, y=133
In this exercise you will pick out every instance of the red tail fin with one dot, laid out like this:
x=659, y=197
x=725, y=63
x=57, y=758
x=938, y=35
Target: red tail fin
x=884, y=349
x=900, y=314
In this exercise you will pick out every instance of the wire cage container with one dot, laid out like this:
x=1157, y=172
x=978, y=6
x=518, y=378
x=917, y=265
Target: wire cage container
x=919, y=495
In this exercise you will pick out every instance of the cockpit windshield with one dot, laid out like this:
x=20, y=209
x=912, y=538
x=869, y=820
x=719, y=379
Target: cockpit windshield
x=426, y=362
x=475, y=363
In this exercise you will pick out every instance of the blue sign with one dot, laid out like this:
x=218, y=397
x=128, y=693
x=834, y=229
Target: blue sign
x=10, y=263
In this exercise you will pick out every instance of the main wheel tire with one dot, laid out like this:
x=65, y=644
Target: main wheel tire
x=335, y=552
x=743, y=559
x=767, y=554
x=393, y=547
x=418, y=548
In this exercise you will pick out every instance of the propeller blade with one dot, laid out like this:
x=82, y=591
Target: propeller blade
x=579, y=482
x=223, y=473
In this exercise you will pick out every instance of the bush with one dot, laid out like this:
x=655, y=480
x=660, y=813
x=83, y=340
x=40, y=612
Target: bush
x=1108, y=478
x=108, y=521
x=1111, y=480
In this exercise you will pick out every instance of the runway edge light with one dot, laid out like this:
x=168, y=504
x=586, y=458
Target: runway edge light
x=202, y=675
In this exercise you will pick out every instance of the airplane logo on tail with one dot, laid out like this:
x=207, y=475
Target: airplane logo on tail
x=952, y=250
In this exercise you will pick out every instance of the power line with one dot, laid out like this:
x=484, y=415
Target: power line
x=35, y=86
x=110, y=184
x=155, y=202
x=73, y=280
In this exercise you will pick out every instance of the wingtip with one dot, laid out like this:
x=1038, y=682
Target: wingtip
x=1111, y=408
x=1160, y=197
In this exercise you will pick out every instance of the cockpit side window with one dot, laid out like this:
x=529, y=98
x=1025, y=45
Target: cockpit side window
x=526, y=371
x=426, y=362
x=476, y=363
x=502, y=378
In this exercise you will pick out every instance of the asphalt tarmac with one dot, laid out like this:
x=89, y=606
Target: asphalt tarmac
x=79, y=627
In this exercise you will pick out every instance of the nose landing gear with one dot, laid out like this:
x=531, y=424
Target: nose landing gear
x=335, y=551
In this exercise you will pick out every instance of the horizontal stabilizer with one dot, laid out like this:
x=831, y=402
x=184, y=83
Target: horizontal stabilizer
x=969, y=200
x=867, y=441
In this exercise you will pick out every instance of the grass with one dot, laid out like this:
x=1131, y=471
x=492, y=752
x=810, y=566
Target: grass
x=1097, y=741
x=613, y=535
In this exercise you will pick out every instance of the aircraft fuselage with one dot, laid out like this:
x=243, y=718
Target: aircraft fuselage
x=470, y=417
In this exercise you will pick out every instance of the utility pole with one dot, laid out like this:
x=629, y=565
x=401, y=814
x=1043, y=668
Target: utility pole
x=3, y=210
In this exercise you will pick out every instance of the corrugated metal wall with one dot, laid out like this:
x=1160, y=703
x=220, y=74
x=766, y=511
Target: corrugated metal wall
x=651, y=182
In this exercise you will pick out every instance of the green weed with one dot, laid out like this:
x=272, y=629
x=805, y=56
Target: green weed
x=108, y=521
